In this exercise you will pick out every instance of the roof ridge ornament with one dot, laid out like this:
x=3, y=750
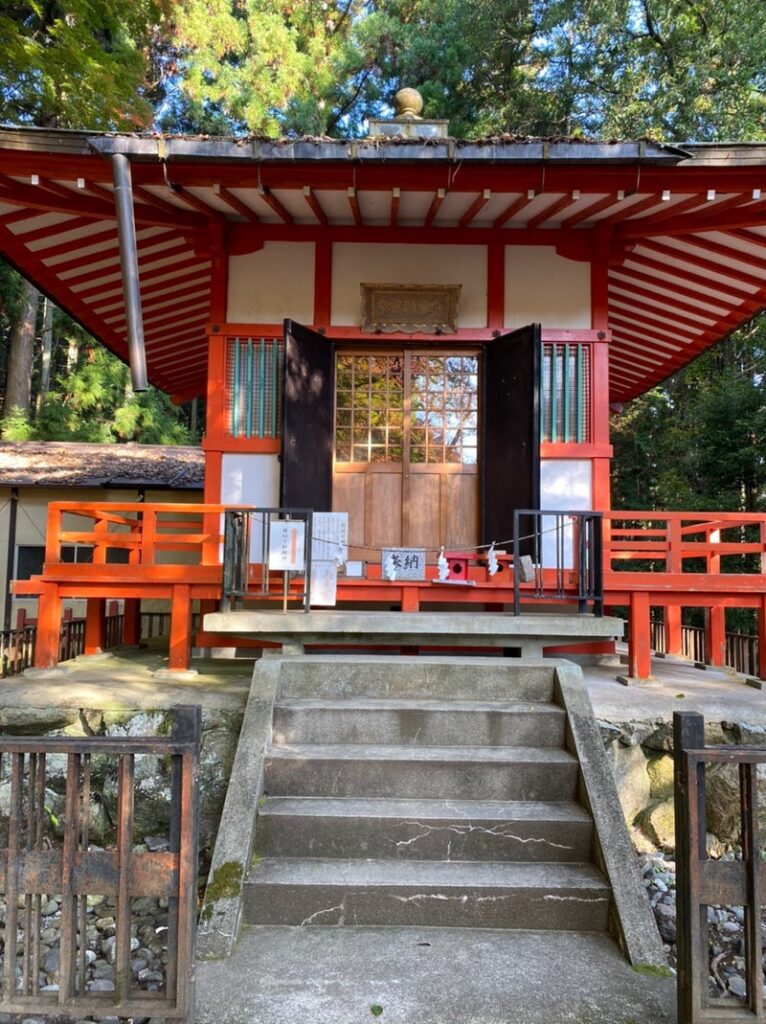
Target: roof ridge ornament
x=408, y=123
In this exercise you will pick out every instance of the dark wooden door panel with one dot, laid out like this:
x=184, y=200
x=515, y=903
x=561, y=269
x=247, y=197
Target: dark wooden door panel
x=510, y=430
x=307, y=438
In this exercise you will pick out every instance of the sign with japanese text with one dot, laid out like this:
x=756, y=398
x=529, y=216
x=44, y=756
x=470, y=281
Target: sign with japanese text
x=329, y=537
x=324, y=583
x=404, y=563
x=287, y=542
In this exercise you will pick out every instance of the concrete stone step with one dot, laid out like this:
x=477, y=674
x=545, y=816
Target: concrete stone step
x=452, y=830
x=572, y=897
x=459, y=773
x=426, y=678
x=428, y=722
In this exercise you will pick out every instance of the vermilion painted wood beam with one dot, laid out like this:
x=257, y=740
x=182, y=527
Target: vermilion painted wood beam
x=353, y=202
x=655, y=297
x=99, y=233
x=590, y=211
x=644, y=333
x=630, y=210
x=19, y=214
x=637, y=360
x=550, y=211
x=200, y=205
x=727, y=252
x=314, y=205
x=166, y=310
x=148, y=273
x=660, y=328
x=194, y=279
x=749, y=236
x=39, y=198
x=393, y=218
x=633, y=278
x=750, y=215
x=269, y=198
x=667, y=213
x=478, y=204
x=63, y=227
x=685, y=277
x=739, y=278
x=433, y=209
x=643, y=347
x=90, y=266
x=46, y=281
x=510, y=211
x=660, y=313
x=237, y=204
x=155, y=201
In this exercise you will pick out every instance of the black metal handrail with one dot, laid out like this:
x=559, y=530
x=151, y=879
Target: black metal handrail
x=242, y=526
x=702, y=881
x=565, y=548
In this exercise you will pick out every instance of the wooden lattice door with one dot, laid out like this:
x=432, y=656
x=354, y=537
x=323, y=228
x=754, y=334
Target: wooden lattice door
x=406, y=448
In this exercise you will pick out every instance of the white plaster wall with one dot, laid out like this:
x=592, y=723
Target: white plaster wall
x=565, y=485
x=271, y=284
x=354, y=264
x=543, y=287
x=250, y=479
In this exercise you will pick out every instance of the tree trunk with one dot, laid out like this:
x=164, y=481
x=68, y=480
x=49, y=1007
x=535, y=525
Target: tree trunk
x=45, y=368
x=22, y=349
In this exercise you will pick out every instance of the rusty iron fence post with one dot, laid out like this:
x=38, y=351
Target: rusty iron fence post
x=33, y=868
x=702, y=881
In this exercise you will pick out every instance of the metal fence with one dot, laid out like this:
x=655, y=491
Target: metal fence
x=566, y=548
x=703, y=882
x=55, y=858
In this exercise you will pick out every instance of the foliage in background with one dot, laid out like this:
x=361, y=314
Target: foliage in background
x=78, y=63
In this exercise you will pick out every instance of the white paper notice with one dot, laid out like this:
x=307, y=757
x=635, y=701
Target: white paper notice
x=287, y=539
x=324, y=583
x=329, y=537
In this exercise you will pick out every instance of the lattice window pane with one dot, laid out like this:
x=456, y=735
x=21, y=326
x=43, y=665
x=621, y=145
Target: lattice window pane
x=254, y=380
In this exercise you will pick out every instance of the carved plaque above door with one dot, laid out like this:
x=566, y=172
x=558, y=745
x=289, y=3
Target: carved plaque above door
x=410, y=308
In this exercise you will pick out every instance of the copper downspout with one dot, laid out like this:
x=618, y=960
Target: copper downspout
x=126, y=233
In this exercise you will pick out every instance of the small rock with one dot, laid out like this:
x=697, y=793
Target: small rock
x=737, y=986
x=51, y=907
x=101, y=985
x=665, y=916
x=157, y=844
x=730, y=927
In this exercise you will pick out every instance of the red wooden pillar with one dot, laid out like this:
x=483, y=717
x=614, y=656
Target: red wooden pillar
x=94, y=625
x=47, y=641
x=131, y=621
x=180, y=627
x=673, y=634
x=715, y=635
x=639, y=637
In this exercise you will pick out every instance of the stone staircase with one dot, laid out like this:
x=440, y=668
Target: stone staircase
x=423, y=792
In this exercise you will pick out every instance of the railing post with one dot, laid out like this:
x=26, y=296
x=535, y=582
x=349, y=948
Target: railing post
x=715, y=635
x=94, y=625
x=673, y=633
x=639, y=636
x=49, y=626
x=688, y=734
x=180, y=627
x=131, y=623
x=762, y=638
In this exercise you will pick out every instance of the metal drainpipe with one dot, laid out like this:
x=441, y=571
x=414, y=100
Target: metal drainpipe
x=126, y=231
x=12, y=511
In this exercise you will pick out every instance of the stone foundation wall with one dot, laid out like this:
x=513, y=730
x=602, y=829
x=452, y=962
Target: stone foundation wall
x=641, y=757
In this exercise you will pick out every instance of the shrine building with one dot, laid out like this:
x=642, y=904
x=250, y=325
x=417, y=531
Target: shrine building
x=425, y=333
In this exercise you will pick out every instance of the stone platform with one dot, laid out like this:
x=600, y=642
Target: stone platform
x=528, y=633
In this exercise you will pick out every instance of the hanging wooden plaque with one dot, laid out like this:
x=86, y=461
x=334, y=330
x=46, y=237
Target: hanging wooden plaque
x=410, y=308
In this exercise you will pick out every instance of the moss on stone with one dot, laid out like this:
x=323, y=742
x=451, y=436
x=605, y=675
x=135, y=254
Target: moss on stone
x=653, y=970
x=226, y=882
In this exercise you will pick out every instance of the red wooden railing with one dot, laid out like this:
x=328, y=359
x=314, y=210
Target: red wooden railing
x=667, y=560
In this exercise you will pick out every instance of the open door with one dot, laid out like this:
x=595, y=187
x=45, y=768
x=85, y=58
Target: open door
x=510, y=430
x=307, y=436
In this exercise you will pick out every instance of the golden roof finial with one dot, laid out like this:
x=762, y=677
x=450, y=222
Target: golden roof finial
x=409, y=104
